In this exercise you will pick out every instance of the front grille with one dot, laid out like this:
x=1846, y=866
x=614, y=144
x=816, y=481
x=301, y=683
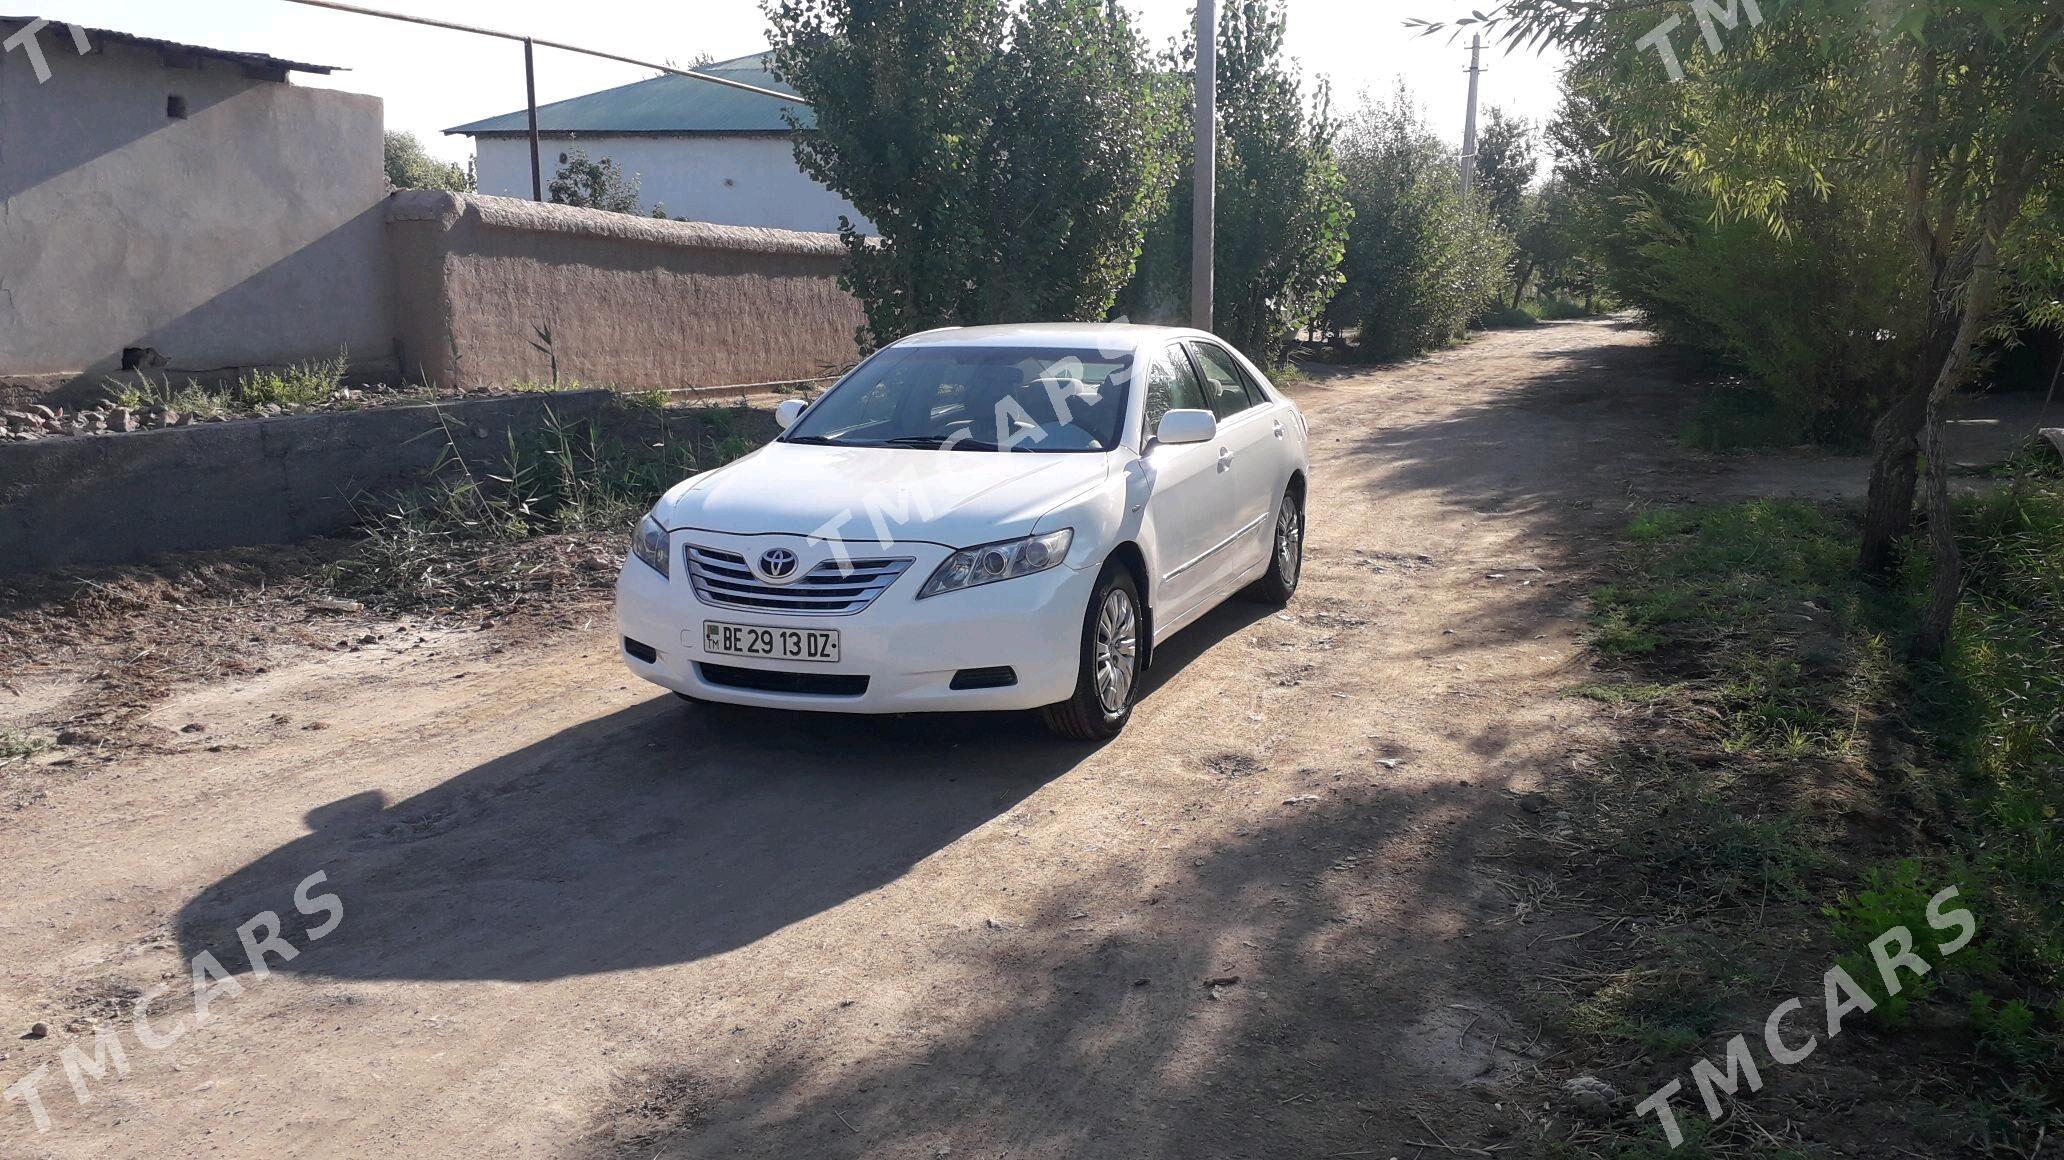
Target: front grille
x=723, y=578
x=778, y=681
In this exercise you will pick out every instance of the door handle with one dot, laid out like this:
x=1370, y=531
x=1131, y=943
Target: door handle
x=1225, y=459
x=1279, y=428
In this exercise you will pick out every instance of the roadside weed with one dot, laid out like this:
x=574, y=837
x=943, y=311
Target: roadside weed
x=16, y=745
x=300, y=385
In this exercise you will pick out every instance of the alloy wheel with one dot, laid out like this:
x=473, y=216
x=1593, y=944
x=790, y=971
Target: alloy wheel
x=1117, y=650
x=1289, y=542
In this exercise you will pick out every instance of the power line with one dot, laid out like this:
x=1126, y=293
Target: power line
x=791, y=98
x=537, y=177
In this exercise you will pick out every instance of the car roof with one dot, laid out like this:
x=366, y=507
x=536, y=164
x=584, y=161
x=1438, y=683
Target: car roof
x=1117, y=337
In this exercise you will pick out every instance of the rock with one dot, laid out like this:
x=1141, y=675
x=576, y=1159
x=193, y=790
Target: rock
x=1590, y=1097
x=270, y=408
x=41, y=411
x=1223, y=981
x=2054, y=436
x=332, y=604
x=1533, y=803
x=171, y=418
x=121, y=419
x=193, y=727
x=39, y=1030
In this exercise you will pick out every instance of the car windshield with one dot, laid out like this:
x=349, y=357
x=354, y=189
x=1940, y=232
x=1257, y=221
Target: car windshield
x=975, y=398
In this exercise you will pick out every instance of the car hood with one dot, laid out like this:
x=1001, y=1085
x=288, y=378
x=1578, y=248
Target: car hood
x=882, y=494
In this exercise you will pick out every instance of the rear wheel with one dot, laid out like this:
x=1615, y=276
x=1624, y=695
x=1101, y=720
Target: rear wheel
x=1286, y=555
x=1107, y=674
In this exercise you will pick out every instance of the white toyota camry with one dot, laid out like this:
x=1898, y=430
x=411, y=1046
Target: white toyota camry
x=991, y=517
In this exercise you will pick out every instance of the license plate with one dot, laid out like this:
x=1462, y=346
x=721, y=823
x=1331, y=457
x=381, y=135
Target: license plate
x=779, y=644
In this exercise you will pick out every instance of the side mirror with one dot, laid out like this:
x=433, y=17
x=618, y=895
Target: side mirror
x=1187, y=427
x=788, y=412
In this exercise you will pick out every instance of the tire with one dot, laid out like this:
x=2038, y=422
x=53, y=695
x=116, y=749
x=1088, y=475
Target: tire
x=1286, y=555
x=1111, y=627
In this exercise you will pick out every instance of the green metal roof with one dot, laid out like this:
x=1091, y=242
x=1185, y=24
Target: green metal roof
x=666, y=104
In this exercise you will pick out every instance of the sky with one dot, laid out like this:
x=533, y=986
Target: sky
x=433, y=79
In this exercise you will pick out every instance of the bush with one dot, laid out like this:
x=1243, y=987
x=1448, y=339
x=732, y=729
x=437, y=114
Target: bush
x=1733, y=417
x=1420, y=262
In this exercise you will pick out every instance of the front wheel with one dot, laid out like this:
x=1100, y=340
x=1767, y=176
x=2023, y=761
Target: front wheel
x=1286, y=555
x=1107, y=673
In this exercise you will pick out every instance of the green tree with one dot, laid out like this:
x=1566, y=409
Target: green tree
x=1009, y=162
x=1282, y=207
x=596, y=184
x=1420, y=262
x=410, y=166
x=1958, y=104
x=1505, y=161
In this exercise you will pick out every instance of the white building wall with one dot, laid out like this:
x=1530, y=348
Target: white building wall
x=730, y=179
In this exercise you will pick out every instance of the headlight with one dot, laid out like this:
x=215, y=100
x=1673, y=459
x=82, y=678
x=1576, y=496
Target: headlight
x=649, y=544
x=971, y=567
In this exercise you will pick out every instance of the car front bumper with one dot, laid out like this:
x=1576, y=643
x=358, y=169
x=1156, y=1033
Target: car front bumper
x=908, y=649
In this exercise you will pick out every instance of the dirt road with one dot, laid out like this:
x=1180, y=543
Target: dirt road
x=579, y=919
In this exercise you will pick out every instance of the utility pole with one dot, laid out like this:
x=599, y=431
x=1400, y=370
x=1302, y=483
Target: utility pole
x=1203, y=223
x=1469, y=120
x=537, y=177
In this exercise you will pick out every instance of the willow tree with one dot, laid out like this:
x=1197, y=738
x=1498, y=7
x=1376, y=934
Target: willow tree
x=1961, y=102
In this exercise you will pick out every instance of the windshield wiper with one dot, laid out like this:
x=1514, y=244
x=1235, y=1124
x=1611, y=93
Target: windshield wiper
x=910, y=441
x=816, y=440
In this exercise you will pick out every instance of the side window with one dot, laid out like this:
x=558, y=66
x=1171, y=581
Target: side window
x=1171, y=386
x=1223, y=383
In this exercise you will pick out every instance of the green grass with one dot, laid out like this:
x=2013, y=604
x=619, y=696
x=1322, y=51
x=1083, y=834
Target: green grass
x=1786, y=758
x=1507, y=317
x=15, y=745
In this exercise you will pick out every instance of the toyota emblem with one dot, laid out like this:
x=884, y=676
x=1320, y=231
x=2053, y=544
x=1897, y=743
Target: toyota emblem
x=777, y=564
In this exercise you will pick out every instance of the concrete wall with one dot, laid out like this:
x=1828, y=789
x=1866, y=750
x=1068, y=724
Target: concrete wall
x=727, y=179
x=247, y=233
x=123, y=498
x=631, y=302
